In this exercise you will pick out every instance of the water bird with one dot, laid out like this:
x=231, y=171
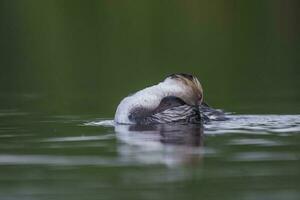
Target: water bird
x=177, y=99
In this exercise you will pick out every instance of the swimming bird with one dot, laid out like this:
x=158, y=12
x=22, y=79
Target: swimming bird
x=177, y=99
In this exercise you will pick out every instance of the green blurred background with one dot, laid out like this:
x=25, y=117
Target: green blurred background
x=67, y=57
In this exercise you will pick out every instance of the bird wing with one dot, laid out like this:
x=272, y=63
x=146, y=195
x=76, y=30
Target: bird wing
x=171, y=109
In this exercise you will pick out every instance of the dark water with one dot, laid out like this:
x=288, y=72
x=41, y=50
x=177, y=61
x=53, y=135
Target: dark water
x=47, y=156
x=66, y=64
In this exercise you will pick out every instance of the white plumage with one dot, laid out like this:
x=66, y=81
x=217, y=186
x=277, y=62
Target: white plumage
x=148, y=98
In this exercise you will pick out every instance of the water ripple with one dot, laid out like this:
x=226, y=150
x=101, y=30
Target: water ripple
x=259, y=124
x=57, y=160
x=79, y=138
x=265, y=156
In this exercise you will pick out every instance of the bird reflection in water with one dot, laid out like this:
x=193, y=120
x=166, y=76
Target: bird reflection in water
x=169, y=144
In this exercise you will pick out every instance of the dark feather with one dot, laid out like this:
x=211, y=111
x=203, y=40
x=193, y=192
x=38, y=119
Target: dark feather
x=171, y=109
x=174, y=110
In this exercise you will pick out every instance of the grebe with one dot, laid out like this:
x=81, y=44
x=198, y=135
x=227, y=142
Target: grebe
x=177, y=99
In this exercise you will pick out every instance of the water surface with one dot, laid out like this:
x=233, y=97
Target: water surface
x=59, y=156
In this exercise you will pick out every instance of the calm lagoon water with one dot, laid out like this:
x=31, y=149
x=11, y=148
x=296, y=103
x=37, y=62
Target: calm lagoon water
x=48, y=156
